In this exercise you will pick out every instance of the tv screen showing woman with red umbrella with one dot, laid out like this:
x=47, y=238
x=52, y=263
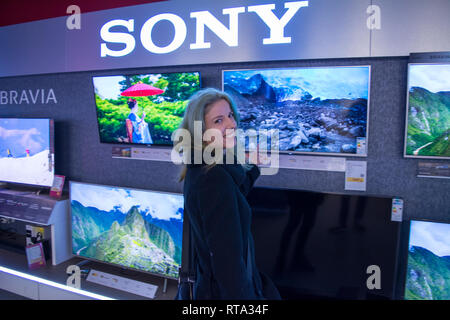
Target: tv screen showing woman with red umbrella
x=142, y=109
x=137, y=128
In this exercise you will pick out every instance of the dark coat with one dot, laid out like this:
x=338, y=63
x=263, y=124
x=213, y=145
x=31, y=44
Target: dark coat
x=220, y=218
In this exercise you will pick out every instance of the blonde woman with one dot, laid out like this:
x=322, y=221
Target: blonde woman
x=216, y=205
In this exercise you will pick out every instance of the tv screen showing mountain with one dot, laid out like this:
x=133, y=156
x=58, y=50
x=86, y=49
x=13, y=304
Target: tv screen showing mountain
x=136, y=229
x=428, y=111
x=428, y=270
x=26, y=151
x=315, y=110
x=142, y=109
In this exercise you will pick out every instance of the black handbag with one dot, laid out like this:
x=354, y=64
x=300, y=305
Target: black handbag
x=185, y=287
x=186, y=278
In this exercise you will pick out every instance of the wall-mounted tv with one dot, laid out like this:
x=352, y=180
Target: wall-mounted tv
x=27, y=151
x=427, y=128
x=132, y=228
x=316, y=110
x=320, y=246
x=428, y=266
x=143, y=108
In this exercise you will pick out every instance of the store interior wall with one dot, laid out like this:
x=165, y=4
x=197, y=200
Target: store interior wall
x=80, y=156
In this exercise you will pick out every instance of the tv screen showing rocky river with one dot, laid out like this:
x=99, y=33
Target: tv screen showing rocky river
x=315, y=110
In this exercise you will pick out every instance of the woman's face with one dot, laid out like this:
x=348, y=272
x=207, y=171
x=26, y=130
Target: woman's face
x=220, y=116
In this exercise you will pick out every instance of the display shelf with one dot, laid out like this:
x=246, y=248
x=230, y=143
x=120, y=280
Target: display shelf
x=41, y=210
x=38, y=288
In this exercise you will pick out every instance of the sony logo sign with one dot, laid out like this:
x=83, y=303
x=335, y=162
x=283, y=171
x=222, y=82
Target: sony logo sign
x=203, y=19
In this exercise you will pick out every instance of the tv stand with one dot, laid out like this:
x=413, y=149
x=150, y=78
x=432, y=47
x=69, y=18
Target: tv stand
x=82, y=263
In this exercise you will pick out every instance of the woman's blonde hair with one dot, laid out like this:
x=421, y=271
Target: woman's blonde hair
x=196, y=110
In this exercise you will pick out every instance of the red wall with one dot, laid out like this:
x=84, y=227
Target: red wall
x=19, y=11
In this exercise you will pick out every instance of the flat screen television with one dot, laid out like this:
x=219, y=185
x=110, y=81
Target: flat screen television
x=161, y=100
x=320, y=110
x=320, y=246
x=132, y=228
x=428, y=261
x=427, y=128
x=27, y=151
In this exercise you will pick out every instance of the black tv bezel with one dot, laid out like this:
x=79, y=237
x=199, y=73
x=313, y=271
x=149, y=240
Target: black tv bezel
x=132, y=144
x=403, y=254
x=116, y=264
x=398, y=243
x=405, y=137
x=292, y=152
x=51, y=127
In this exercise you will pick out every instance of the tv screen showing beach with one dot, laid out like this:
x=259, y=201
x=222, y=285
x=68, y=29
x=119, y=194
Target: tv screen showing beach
x=428, y=111
x=315, y=110
x=136, y=229
x=142, y=109
x=26, y=151
x=428, y=270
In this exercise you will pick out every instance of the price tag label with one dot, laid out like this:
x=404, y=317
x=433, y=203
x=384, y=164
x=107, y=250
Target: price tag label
x=397, y=209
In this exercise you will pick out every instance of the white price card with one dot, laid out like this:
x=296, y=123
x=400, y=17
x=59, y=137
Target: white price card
x=355, y=175
x=121, y=283
x=312, y=163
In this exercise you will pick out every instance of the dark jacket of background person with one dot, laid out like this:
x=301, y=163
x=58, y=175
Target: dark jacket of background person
x=220, y=219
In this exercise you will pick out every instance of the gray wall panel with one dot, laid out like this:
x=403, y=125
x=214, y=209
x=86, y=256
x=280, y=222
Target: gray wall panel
x=80, y=156
x=411, y=26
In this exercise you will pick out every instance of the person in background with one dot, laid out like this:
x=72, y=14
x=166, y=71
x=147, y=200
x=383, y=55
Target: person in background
x=218, y=211
x=141, y=132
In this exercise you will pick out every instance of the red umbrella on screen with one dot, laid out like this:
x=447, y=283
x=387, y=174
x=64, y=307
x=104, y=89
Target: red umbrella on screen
x=141, y=90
